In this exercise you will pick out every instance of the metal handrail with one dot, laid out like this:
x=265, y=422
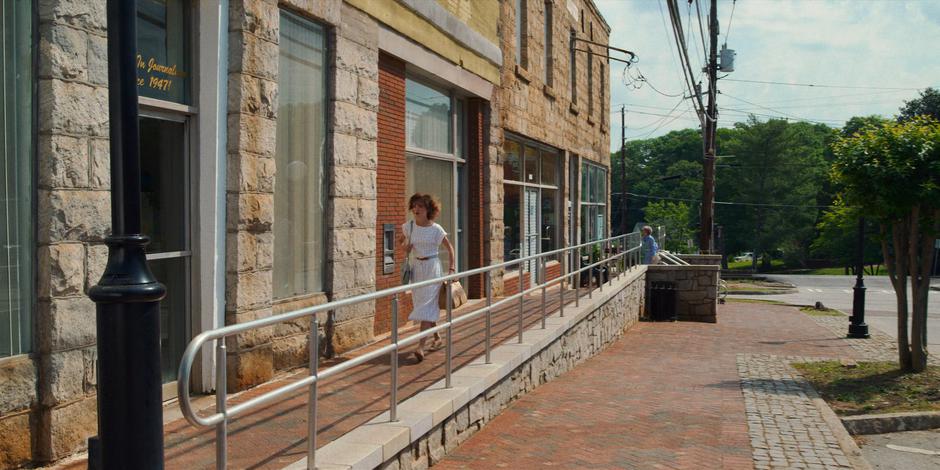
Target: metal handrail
x=627, y=257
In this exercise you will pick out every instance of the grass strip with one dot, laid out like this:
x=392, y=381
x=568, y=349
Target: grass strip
x=873, y=387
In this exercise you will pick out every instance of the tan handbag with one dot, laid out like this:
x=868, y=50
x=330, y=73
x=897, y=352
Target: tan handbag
x=458, y=295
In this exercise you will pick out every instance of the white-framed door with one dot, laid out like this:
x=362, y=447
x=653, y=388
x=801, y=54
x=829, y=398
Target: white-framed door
x=531, y=221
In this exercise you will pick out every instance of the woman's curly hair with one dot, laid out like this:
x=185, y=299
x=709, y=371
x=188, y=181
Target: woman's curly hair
x=428, y=201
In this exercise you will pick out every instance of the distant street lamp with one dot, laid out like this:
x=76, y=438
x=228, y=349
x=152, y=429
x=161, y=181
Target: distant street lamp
x=130, y=402
x=857, y=326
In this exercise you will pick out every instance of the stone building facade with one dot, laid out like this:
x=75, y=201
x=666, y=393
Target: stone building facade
x=553, y=136
x=279, y=142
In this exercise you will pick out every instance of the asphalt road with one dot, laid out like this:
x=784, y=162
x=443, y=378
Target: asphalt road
x=836, y=292
x=908, y=451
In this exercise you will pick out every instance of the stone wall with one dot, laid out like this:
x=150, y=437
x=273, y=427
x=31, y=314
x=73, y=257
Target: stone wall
x=590, y=336
x=697, y=289
x=550, y=112
x=73, y=219
x=709, y=260
x=350, y=169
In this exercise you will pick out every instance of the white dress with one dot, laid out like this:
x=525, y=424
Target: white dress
x=425, y=242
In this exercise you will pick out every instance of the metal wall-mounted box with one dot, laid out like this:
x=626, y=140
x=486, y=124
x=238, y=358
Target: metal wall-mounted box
x=388, y=248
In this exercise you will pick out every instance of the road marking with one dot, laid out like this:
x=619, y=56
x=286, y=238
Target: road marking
x=887, y=291
x=847, y=291
x=913, y=450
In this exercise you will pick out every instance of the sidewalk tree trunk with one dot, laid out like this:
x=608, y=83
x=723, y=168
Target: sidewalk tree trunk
x=892, y=173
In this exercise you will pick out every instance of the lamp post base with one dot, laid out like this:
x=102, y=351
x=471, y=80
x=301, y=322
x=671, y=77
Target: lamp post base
x=859, y=330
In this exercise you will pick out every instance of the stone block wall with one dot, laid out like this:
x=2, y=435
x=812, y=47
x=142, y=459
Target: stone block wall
x=697, y=289
x=709, y=260
x=353, y=98
x=550, y=112
x=584, y=340
x=73, y=219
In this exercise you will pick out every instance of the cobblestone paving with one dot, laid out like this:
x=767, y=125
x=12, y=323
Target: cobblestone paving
x=785, y=427
x=879, y=347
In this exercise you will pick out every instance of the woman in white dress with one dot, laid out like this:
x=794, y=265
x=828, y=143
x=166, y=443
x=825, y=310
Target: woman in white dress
x=423, y=236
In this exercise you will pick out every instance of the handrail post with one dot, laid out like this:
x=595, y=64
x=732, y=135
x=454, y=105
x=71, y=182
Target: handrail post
x=221, y=389
x=489, y=317
x=577, y=277
x=544, y=281
x=521, y=296
x=564, y=277
x=313, y=344
x=600, y=267
x=450, y=339
x=393, y=406
x=610, y=279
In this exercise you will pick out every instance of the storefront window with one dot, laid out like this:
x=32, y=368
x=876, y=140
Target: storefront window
x=300, y=196
x=163, y=59
x=436, y=177
x=512, y=166
x=16, y=222
x=427, y=118
x=530, y=206
x=593, y=202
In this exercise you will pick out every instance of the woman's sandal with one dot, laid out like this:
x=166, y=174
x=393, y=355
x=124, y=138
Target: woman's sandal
x=436, y=345
x=419, y=355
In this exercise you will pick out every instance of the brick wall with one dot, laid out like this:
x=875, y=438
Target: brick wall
x=390, y=183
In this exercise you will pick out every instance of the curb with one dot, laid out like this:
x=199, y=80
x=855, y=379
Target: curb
x=841, y=433
x=891, y=422
x=750, y=292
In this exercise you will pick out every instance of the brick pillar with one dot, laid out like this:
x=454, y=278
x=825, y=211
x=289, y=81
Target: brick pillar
x=476, y=170
x=390, y=183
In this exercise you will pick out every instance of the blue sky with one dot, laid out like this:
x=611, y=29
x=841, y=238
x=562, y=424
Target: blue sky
x=866, y=44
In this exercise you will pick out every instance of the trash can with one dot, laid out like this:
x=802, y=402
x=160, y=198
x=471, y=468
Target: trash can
x=663, y=301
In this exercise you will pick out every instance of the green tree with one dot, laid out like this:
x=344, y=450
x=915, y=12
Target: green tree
x=892, y=174
x=774, y=177
x=928, y=104
x=838, y=237
x=675, y=217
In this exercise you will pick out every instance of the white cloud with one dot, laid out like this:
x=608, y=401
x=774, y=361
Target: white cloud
x=848, y=43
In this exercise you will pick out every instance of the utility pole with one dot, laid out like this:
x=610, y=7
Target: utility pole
x=706, y=243
x=624, y=199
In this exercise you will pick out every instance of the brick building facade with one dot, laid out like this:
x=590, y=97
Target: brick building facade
x=279, y=141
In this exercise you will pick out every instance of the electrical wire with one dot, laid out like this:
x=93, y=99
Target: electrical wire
x=814, y=85
x=701, y=30
x=688, y=74
x=778, y=116
x=666, y=29
x=728, y=31
x=728, y=203
x=774, y=110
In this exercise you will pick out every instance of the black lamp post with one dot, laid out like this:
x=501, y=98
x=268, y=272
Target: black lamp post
x=857, y=327
x=130, y=415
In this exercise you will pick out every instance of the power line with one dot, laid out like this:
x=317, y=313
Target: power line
x=728, y=203
x=687, y=72
x=780, y=116
x=821, y=86
x=730, y=18
x=775, y=110
x=701, y=30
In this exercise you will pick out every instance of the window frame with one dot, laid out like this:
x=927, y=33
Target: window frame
x=323, y=255
x=522, y=33
x=548, y=24
x=586, y=201
x=524, y=143
x=456, y=156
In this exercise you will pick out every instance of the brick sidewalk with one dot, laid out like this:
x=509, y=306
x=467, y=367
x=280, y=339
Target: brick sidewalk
x=666, y=395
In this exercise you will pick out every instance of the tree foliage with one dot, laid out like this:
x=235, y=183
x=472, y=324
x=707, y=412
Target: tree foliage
x=674, y=216
x=892, y=173
x=775, y=176
x=927, y=104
